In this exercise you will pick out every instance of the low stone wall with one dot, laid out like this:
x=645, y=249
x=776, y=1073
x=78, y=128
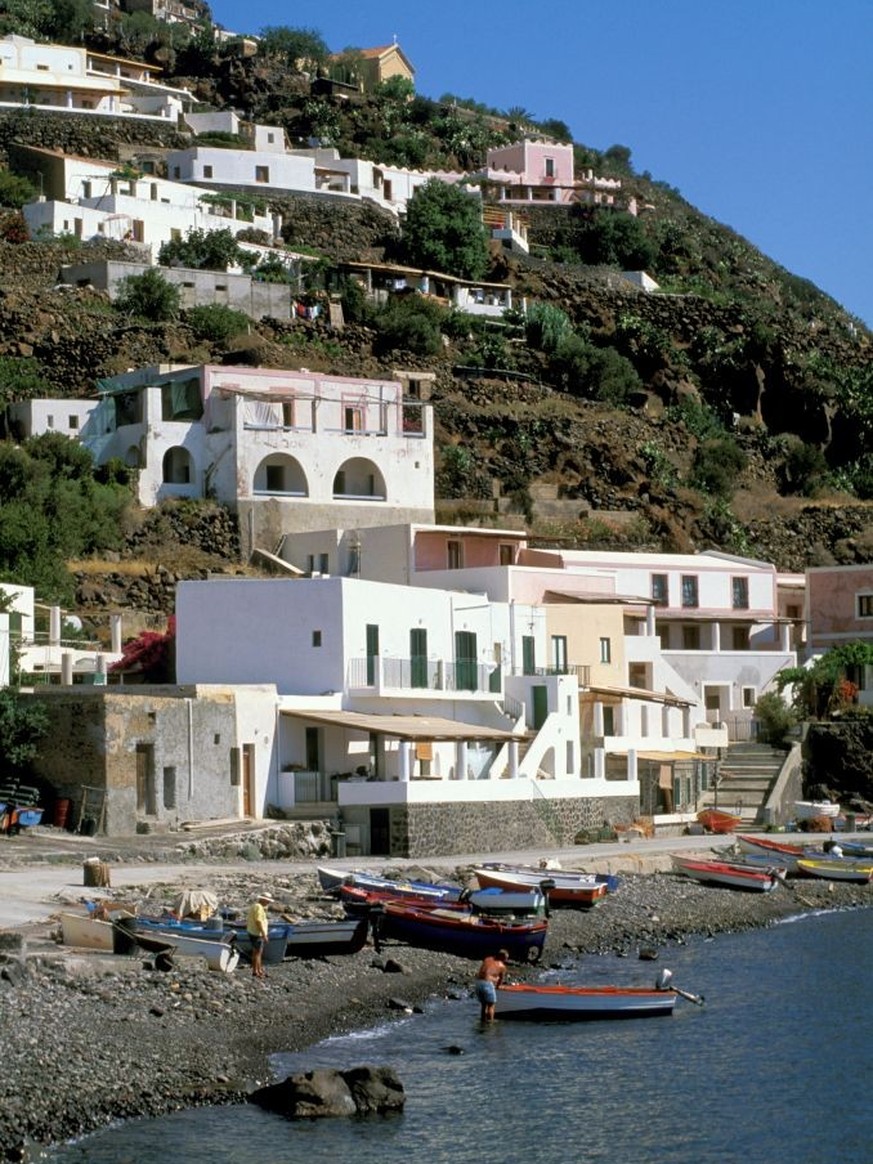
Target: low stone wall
x=443, y=829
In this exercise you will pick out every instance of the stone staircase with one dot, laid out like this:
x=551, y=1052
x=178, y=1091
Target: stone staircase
x=747, y=775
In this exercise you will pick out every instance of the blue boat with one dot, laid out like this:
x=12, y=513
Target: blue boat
x=331, y=881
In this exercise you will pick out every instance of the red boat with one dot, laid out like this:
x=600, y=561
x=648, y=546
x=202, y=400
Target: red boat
x=467, y=934
x=716, y=821
x=580, y=890
x=728, y=875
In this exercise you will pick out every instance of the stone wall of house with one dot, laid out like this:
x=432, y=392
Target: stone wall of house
x=111, y=739
x=86, y=135
x=430, y=830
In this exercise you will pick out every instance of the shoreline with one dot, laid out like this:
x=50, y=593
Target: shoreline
x=118, y=1041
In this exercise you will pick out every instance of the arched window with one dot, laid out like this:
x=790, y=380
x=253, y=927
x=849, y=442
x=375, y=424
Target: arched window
x=178, y=467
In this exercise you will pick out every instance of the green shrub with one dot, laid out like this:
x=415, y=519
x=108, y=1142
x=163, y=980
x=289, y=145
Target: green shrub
x=774, y=717
x=410, y=323
x=546, y=326
x=148, y=296
x=717, y=464
x=803, y=469
x=216, y=322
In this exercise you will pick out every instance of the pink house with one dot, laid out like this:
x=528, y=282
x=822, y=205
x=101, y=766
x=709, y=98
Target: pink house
x=542, y=172
x=839, y=605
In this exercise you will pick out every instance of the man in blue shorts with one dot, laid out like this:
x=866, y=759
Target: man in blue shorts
x=490, y=976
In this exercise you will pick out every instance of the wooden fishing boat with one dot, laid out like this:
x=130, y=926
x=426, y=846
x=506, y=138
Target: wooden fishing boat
x=757, y=861
x=608, y=879
x=332, y=879
x=323, y=939
x=550, y=1003
x=579, y=890
x=778, y=851
x=466, y=934
x=216, y=946
x=842, y=869
x=496, y=902
x=727, y=875
x=716, y=821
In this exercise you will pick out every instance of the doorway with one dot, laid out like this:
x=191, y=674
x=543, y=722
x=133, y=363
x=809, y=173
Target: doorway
x=248, y=781
x=380, y=832
x=146, y=793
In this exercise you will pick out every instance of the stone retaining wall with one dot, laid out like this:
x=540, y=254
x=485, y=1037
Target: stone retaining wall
x=442, y=829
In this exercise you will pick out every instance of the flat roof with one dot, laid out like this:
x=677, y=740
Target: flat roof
x=407, y=727
x=639, y=693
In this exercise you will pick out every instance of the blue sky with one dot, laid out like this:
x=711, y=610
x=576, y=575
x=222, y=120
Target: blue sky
x=760, y=112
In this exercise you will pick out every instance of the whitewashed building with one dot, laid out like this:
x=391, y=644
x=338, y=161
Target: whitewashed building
x=287, y=450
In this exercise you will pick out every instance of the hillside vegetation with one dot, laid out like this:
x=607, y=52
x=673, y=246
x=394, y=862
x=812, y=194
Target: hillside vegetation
x=733, y=408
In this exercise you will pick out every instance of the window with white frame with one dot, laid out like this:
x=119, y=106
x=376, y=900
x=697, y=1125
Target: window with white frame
x=689, y=590
x=749, y=696
x=865, y=605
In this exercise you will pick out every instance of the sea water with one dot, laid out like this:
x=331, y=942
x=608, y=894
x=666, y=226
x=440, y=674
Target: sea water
x=776, y=1066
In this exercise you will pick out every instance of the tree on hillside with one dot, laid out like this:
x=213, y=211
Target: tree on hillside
x=444, y=231
x=203, y=250
x=15, y=191
x=302, y=49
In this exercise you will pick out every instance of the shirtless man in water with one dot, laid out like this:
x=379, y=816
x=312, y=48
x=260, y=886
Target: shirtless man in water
x=490, y=976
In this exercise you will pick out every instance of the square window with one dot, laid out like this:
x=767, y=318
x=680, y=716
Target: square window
x=865, y=606
x=691, y=638
x=748, y=697
x=262, y=173
x=207, y=171
x=316, y=638
x=73, y=422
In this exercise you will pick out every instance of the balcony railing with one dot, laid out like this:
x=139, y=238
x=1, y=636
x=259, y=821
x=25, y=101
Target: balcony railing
x=582, y=671
x=425, y=675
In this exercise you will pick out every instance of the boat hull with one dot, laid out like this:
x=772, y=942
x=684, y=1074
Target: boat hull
x=810, y=809
x=217, y=947
x=467, y=935
x=855, y=872
x=726, y=875
x=545, y=1003
x=324, y=939
x=715, y=821
x=577, y=890
x=332, y=879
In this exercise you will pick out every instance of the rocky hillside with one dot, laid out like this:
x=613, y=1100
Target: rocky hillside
x=730, y=409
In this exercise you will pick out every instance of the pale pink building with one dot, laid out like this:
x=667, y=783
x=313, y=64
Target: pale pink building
x=839, y=605
x=531, y=171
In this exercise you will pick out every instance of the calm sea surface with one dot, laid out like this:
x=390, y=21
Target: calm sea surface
x=777, y=1067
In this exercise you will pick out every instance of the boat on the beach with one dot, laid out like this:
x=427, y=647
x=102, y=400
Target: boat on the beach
x=497, y=902
x=216, y=946
x=841, y=869
x=855, y=849
x=810, y=809
x=466, y=934
x=579, y=890
x=323, y=939
x=553, y=1003
x=546, y=871
x=332, y=879
x=731, y=876
x=780, y=852
x=716, y=821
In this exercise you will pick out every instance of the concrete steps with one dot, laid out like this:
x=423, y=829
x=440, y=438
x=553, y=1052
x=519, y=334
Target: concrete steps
x=746, y=774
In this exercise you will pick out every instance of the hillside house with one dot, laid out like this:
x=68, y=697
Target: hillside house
x=67, y=79
x=89, y=199
x=372, y=66
x=539, y=172
x=196, y=287
x=402, y=710
x=286, y=450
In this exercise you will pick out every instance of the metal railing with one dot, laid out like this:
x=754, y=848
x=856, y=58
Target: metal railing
x=425, y=675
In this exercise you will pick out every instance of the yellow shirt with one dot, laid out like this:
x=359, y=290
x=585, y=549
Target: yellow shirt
x=256, y=922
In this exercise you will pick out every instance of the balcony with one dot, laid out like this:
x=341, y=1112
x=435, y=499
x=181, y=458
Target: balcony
x=424, y=678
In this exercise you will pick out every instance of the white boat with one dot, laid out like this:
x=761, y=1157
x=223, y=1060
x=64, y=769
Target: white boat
x=545, y=1003
x=810, y=809
x=219, y=950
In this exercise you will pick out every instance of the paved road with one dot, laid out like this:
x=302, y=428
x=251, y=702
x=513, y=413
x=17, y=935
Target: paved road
x=33, y=892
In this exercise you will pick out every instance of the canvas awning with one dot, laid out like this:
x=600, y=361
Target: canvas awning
x=407, y=727
x=639, y=693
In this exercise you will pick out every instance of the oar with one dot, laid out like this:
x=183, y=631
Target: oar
x=663, y=982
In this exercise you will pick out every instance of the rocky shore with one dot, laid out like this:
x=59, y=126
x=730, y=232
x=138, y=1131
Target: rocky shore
x=89, y=1038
